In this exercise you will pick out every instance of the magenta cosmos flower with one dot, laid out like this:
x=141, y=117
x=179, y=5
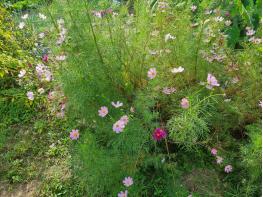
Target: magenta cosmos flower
x=74, y=134
x=211, y=81
x=185, y=103
x=228, y=168
x=127, y=181
x=45, y=58
x=159, y=134
x=213, y=151
x=103, y=111
x=123, y=194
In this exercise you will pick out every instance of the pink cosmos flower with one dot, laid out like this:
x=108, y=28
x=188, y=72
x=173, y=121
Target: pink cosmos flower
x=213, y=151
x=117, y=104
x=45, y=58
x=211, y=81
x=228, y=168
x=159, y=134
x=118, y=126
x=30, y=95
x=185, y=103
x=125, y=119
x=152, y=73
x=123, y=194
x=219, y=159
x=74, y=134
x=103, y=111
x=127, y=181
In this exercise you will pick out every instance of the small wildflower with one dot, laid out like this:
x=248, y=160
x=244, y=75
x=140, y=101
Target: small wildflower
x=41, y=35
x=128, y=181
x=155, y=33
x=177, y=70
x=227, y=100
x=159, y=134
x=61, y=58
x=118, y=126
x=51, y=95
x=25, y=16
x=132, y=110
x=42, y=16
x=152, y=73
x=168, y=37
x=74, y=134
x=254, y=40
x=168, y=91
x=260, y=104
x=219, y=19
x=103, y=111
x=123, y=194
x=30, y=95
x=193, y=8
x=124, y=119
x=228, y=168
x=117, y=104
x=228, y=23
x=45, y=58
x=208, y=12
x=250, y=31
x=21, y=25
x=213, y=151
x=219, y=159
x=185, y=103
x=211, y=81
x=22, y=73
x=41, y=90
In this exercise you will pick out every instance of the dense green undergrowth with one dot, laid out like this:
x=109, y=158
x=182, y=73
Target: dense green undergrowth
x=189, y=71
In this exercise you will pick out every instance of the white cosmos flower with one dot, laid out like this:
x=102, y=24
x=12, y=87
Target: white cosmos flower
x=228, y=23
x=117, y=104
x=177, y=70
x=41, y=90
x=22, y=73
x=21, y=25
x=193, y=8
x=25, y=16
x=61, y=58
x=168, y=37
x=41, y=35
x=219, y=19
x=42, y=16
